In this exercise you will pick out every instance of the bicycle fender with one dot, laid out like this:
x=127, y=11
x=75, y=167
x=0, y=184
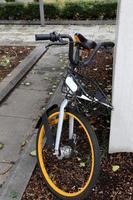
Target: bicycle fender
x=44, y=120
x=47, y=112
x=49, y=137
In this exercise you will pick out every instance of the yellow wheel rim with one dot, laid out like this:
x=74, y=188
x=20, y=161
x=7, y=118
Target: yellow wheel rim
x=42, y=164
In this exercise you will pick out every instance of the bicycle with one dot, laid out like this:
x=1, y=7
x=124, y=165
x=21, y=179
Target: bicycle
x=67, y=148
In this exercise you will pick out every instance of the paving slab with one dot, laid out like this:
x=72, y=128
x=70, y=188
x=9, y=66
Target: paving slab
x=29, y=102
x=39, y=85
x=15, y=131
x=20, y=174
x=24, y=34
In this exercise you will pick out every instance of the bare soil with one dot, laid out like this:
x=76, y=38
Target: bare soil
x=10, y=57
x=111, y=185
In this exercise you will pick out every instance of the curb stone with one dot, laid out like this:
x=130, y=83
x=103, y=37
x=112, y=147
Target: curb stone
x=59, y=22
x=20, y=174
x=9, y=83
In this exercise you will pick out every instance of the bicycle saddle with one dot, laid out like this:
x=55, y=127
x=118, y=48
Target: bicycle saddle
x=85, y=43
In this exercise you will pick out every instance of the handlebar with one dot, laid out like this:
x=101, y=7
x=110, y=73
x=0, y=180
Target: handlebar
x=98, y=46
x=59, y=37
x=54, y=37
x=42, y=37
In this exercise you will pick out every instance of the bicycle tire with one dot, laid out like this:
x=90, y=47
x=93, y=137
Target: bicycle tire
x=95, y=161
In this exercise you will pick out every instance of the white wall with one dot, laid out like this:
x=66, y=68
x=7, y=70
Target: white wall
x=121, y=135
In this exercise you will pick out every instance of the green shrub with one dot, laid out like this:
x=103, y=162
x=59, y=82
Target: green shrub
x=89, y=10
x=11, y=11
x=28, y=11
x=82, y=9
x=52, y=10
x=10, y=0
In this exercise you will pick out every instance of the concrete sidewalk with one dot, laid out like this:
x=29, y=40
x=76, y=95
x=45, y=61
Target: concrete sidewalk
x=20, y=111
x=24, y=34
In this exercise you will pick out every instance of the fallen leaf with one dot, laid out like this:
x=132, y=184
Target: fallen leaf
x=95, y=69
x=115, y=168
x=50, y=93
x=1, y=146
x=54, y=86
x=23, y=143
x=27, y=83
x=33, y=153
x=46, y=78
x=82, y=164
x=13, y=194
x=5, y=61
x=79, y=159
x=44, y=108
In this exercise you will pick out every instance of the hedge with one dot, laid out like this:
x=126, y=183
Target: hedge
x=84, y=9
x=90, y=10
x=30, y=11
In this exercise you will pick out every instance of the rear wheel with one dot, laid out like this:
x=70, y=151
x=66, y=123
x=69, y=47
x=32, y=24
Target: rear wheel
x=73, y=177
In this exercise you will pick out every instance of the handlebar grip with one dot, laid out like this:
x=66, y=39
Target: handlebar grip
x=108, y=44
x=42, y=37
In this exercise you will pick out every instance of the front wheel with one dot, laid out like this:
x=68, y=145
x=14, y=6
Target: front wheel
x=73, y=177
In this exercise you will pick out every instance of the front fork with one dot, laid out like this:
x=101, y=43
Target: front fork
x=60, y=125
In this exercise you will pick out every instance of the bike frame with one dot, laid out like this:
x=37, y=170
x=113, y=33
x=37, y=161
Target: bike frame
x=71, y=83
x=72, y=86
x=60, y=125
